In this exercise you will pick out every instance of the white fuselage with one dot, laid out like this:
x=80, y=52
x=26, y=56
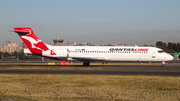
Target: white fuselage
x=113, y=53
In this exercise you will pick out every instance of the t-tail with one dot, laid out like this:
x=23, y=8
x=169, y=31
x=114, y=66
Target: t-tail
x=35, y=45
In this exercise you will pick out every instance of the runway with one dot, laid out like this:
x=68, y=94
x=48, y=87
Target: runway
x=171, y=69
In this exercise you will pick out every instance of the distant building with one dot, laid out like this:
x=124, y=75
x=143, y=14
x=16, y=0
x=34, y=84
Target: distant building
x=110, y=45
x=116, y=44
x=78, y=44
x=58, y=41
x=12, y=47
x=96, y=44
x=88, y=44
x=75, y=44
x=70, y=43
x=84, y=44
x=23, y=45
x=7, y=42
x=1, y=49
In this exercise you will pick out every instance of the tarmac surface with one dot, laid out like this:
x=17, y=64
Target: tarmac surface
x=172, y=68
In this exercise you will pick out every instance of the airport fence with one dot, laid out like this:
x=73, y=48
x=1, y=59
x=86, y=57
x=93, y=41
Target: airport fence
x=85, y=94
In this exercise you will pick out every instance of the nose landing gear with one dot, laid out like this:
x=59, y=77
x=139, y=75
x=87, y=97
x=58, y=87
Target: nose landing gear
x=163, y=64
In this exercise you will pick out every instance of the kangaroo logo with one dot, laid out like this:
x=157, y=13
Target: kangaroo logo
x=35, y=42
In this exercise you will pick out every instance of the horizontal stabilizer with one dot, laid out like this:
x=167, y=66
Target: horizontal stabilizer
x=16, y=31
x=22, y=31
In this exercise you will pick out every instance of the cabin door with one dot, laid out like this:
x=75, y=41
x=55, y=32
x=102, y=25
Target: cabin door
x=153, y=54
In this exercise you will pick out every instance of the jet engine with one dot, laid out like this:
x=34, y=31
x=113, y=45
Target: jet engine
x=61, y=54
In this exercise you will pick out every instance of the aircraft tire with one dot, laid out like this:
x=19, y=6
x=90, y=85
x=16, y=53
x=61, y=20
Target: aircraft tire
x=86, y=64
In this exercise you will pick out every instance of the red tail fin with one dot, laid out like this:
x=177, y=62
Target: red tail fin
x=35, y=45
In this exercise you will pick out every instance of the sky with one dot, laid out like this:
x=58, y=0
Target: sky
x=93, y=21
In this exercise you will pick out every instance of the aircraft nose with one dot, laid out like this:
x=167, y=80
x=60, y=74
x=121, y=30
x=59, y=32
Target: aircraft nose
x=169, y=57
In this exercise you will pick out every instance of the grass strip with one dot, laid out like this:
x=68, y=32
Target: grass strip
x=128, y=82
x=51, y=81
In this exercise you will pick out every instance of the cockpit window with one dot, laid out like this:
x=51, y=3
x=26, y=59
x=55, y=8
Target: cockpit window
x=160, y=51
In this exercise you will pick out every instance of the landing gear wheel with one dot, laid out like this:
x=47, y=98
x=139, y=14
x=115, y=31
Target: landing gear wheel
x=163, y=64
x=86, y=64
x=104, y=63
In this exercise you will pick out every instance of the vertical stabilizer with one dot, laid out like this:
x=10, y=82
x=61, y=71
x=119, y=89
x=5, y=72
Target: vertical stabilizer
x=35, y=45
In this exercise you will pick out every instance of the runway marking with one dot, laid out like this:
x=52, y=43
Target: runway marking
x=51, y=63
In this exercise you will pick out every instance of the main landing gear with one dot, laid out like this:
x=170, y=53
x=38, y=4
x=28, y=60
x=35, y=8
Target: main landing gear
x=104, y=63
x=86, y=64
x=163, y=64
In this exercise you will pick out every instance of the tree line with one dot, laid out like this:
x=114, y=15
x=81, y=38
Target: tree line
x=18, y=56
x=168, y=47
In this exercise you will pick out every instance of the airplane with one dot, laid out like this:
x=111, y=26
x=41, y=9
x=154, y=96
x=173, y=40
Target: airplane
x=87, y=54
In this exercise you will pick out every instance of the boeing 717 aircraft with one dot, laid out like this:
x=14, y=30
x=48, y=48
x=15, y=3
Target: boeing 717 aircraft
x=88, y=54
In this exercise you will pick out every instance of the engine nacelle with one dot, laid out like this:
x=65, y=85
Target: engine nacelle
x=56, y=53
